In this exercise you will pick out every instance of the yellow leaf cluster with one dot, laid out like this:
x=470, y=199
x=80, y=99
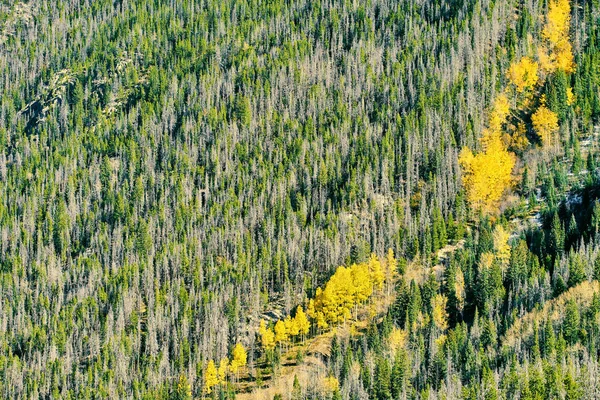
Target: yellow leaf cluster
x=545, y=123
x=523, y=74
x=570, y=96
x=302, y=321
x=280, y=332
x=347, y=287
x=330, y=384
x=518, y=140
x=239, y=358
x=547, y=59
x=214, y=376
x=499, y=113
x=487, y=175
x=487, y=260
x=440, y=315
x=267, y=337
x=397, y=339
x=223, y=369
x=501, y=246
x=285, y=329
x=459, y=289
x=210, y=377
x=556, y=32
x=183, y=386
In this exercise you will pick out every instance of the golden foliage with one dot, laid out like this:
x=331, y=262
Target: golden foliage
x=486, y=260
x=501, y=246
x=376, y=272
x=523, y=74
x=545, y=124
x=499, y=113
x=557, y=21
x=556, y=32
x=183, y=386
x=564, y=57
x=347, y=287
x=397, y=339
x=330, y=384
x=280, y=332
x=570, y=96
x=459, y=289
x=301, y=321
x=210, y=377
x=223, y=369
x=519, y=140
x=487, y=175
x=391, y=265
x=267, y=337
x=547, y=59
x=440, y=315
x=239, y=358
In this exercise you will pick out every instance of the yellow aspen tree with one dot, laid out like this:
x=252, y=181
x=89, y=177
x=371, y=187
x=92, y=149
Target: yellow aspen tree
x=391, y=267
x=376, y=272
x=500, y=112
x=570, y=96
x=486, y=260
x=565, y=60
x=239, y=359
x=556, y=32
x=223, y=369
x=557, y=21
x=501, y=246
x=391, y=264
x=545, y=124
x=519, y=141
x=184, y=389
x=310, y=309
x=440, y=315
x=459, y=290
x=547, y=59
x=291, y=326
x=280, y=332
x=302, y=322
x=210, y=377
x=330, y=385
x=523, y=74
x=362, y=282
x=267, y=337
x=487, y=175
x=397, y=339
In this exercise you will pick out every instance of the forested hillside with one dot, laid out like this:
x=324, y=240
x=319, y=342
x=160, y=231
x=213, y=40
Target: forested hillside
x=300, y=200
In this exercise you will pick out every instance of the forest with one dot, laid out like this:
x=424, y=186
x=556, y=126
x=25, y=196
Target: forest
x=265, y=199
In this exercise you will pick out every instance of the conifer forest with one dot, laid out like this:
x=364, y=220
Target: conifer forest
x=300, y=200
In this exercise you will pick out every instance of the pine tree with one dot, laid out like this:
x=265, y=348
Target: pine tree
x=382, y=379
x=399, y=373
x=183, y=390
x=571, y=322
